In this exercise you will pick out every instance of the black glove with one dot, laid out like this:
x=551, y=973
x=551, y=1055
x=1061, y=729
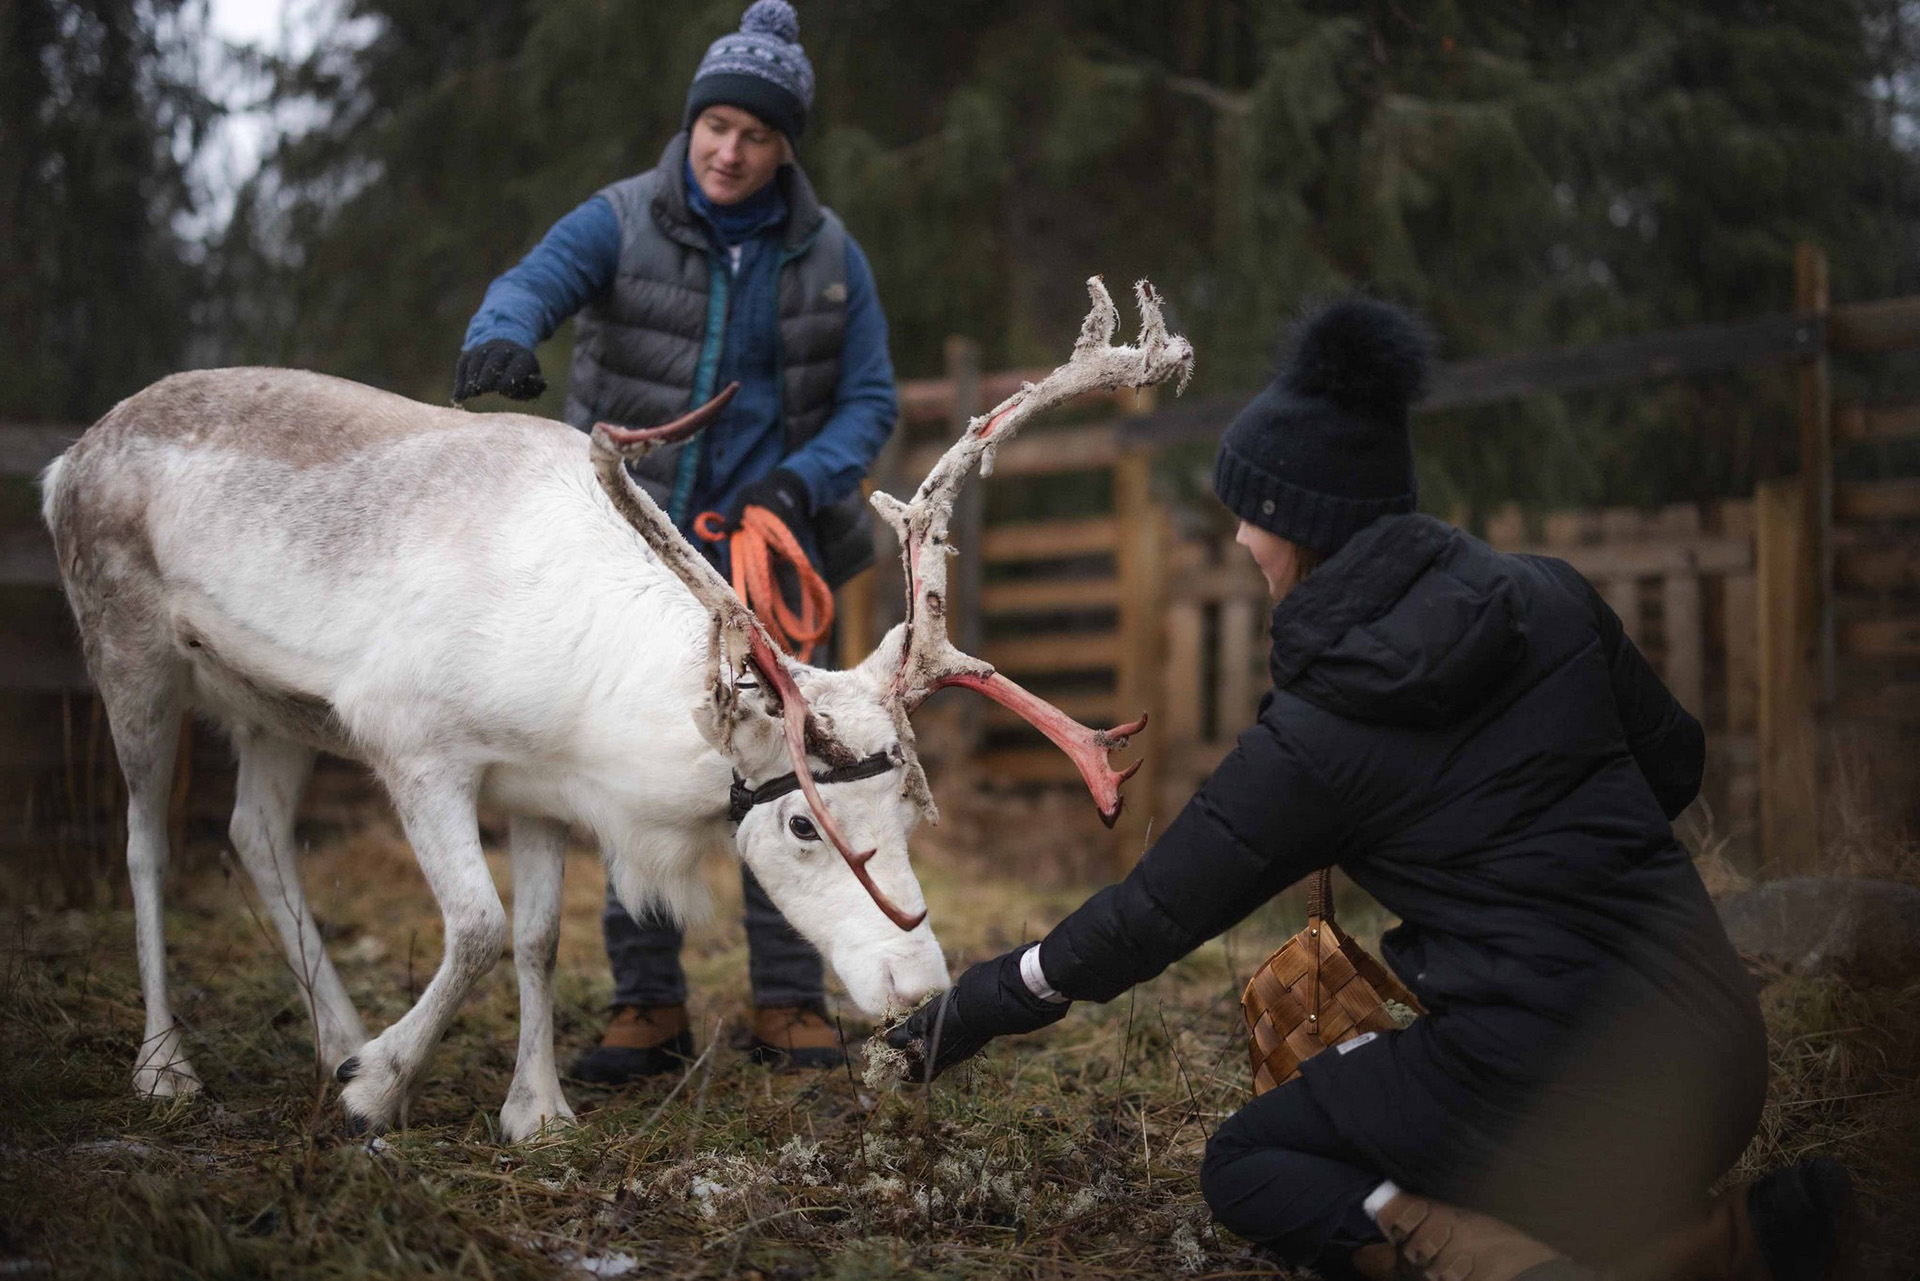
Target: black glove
x=780, y=492
x=500, y=365
x=991, y=999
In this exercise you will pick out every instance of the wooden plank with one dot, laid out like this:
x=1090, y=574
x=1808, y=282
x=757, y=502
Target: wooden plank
x=1141, y=563
x=855, y=624
x=1044, y=540
x=1040, y=452
x=854, y=633
x=1049, y=595
x=1787, y=760
x=1739, y=616
x=1185, y=700
x=1043, y=764
x=1074, y=652
x=1854, y=422
x=1623, y=597
x=930, y=400
x=1892, y=566
x=1888, y=324
x=26, y=667
x=26, y=448
x=1707, y=554
x=1096, y=710
x=1815, y=415
x=1671, y=354
x=966, y=573
x=1237, y=581
x=1739, y=625
x=26, y=558
x=1876, y=500
x=1880, y=638
x=1684, y=665
x=1507, y=528
x=1235, y=692
x=1890, y=701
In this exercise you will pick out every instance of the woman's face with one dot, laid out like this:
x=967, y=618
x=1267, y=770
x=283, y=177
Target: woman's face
x=1278, y=559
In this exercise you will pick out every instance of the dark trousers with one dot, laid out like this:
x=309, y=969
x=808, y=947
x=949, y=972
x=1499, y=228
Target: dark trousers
x=1279, y=1173
x=1619, y=1145
x=783, y=968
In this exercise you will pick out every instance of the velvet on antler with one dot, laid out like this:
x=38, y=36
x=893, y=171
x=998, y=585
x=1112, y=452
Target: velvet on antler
x=928, y=659
x=734, y=628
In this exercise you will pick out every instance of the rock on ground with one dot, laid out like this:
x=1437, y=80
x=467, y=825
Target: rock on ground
x=1863, y=929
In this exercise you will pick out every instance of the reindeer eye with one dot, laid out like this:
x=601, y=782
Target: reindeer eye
x=802, y=826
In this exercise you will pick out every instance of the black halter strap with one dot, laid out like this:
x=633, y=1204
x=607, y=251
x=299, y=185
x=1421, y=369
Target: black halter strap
x=742, y=798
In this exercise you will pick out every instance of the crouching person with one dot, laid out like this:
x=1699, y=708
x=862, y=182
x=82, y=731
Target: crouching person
x=1472, y=738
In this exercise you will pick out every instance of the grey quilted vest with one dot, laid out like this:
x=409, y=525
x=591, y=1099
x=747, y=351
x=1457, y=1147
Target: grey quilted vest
x=648, y=350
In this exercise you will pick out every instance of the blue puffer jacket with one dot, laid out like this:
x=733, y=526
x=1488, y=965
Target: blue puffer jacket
x=576, y=262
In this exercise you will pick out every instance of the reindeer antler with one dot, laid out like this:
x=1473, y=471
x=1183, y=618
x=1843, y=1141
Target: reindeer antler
x=928, y=659
x=734, y=626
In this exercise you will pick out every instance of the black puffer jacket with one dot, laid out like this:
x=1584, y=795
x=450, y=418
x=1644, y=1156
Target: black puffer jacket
x=1472, y=739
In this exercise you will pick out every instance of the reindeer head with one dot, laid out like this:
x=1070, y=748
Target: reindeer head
x=799, y=737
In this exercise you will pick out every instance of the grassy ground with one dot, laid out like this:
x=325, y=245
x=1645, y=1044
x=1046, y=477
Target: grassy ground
x=1071, y=1153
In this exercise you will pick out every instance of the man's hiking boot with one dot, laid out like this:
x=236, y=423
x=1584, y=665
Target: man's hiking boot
x=1791, y=1225
x=1430, y=1240
x=795, y=1036
x=640, y=1041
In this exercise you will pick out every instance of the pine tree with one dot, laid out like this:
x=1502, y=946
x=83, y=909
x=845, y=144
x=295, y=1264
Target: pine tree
x=98, y=110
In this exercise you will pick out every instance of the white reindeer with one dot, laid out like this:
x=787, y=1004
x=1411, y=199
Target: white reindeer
x=486, y=605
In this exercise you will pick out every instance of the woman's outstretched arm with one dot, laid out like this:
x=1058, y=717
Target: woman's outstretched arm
x=1263, y=820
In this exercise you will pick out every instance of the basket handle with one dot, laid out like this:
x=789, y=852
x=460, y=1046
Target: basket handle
x=1320, y=894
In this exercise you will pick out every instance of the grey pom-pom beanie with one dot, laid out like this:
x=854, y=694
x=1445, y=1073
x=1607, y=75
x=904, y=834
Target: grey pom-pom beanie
x=760, y=68
x=1325, y=450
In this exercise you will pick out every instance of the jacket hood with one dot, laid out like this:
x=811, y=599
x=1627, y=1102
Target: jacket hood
x=1411, y=623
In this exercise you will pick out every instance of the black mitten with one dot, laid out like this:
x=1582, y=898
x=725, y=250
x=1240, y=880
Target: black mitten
x=501, y=365
x=780, y=492
x=991, y=999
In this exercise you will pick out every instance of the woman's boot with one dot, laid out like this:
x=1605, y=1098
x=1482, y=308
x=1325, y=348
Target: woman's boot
x=1790, y=1225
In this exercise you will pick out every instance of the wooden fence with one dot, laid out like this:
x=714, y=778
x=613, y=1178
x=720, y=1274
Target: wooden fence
x=1768, y=617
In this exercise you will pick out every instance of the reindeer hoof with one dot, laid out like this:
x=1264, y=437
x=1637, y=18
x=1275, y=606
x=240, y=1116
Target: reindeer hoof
x=348, y=1069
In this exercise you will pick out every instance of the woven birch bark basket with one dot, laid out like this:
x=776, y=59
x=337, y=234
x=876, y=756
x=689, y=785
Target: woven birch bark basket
x=1319, y=989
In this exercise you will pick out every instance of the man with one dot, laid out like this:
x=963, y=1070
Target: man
x=717, y=265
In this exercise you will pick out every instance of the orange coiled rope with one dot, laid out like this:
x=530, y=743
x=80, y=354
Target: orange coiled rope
x=762, y=536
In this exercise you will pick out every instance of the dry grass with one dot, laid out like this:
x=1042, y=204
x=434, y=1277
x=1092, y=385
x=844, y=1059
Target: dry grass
x=1072, y=1153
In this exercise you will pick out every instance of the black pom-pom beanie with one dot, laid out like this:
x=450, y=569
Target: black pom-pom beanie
x=1325, y=450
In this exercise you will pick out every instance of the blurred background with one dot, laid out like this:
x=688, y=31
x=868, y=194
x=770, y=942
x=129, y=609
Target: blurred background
x=1670, y=250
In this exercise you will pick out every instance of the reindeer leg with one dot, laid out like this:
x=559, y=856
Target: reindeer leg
x=144, y=706
x=435, y=805
x=534, y=1100
x=273, y=774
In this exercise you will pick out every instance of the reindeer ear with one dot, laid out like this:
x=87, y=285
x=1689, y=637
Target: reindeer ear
x=735, y=712
x=876, y=669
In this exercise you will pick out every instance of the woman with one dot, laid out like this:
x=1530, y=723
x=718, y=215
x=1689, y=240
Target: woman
x=1473, y=739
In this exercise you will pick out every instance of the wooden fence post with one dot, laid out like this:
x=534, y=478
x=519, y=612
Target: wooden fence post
x=1684, y=644
x=968, y=524
x=1145, y=530
x=1810, y=300
x=1787, y=760
x=854, y=633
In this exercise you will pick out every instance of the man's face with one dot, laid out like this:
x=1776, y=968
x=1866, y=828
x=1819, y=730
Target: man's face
x=733, y=153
